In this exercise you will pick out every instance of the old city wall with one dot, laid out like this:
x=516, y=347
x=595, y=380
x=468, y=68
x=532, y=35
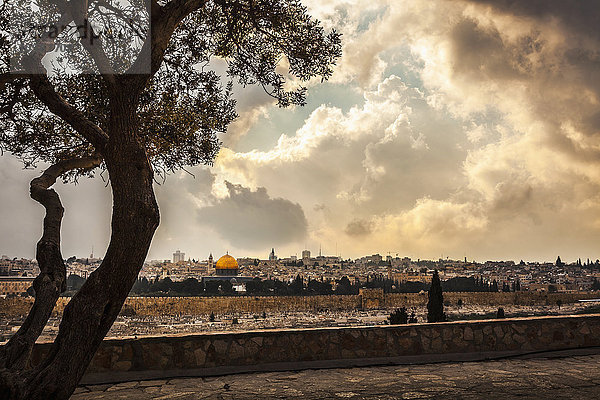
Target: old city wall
x=218, y=353
x=233, y=305
x=368, y=299
x=393, y=300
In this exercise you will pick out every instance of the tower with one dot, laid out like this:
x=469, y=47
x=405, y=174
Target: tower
x=210, y=261
x=305, y=256
x=272, y=256
x=178, y=256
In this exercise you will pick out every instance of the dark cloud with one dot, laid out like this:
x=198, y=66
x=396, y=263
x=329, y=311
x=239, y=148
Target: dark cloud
x=562, y=76
x=253, y=220
x=359, y=227
x=580, y=16
x=481, y=52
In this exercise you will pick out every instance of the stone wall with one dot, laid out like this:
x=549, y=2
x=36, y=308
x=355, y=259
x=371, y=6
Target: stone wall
x=393, y=300
x=367, y=299
x=256, y=350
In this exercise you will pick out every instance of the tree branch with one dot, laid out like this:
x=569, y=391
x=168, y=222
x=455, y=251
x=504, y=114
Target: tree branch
x=52, y=278
x=43, y=89
x=8, y=77
x=163, y=22
x=79, y=12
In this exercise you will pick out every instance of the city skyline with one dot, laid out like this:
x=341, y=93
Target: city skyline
x=458, y=128
x=184, y=256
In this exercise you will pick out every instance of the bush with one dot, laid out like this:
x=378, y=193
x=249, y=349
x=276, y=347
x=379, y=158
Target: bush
x=398, y=317
x=500, y=313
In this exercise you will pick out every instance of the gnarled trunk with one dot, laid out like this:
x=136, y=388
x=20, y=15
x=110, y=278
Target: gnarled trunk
x=91, y=312
x=49, y=283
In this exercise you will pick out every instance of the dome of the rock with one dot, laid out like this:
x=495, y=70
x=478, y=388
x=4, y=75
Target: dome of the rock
x=226, y=264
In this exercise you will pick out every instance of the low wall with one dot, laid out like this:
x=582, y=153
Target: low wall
x=369, y=299
x=218, y=353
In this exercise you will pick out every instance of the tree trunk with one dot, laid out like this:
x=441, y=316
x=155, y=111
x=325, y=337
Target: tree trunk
x=91, y=312
x=49, y=283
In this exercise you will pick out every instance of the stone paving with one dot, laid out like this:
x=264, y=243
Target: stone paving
x=575, y=377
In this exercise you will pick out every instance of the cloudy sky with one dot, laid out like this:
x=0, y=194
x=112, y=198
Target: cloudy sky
x=450, y=129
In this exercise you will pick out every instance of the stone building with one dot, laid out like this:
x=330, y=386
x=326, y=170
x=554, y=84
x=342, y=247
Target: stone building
x=15, y=284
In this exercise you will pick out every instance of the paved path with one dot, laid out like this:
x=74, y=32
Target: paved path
x=569, y=378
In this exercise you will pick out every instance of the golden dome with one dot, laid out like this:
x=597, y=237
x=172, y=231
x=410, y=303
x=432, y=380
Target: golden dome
x=226, y=262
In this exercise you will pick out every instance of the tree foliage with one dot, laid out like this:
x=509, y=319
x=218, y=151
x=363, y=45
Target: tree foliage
x=184, y=105
x=398, y=317
x=435, y=304
x=500, y=312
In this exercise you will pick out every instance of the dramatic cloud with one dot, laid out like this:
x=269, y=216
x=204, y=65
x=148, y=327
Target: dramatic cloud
x=450, y=127
x=253, y=220
x=359, y=227
x=484, y=131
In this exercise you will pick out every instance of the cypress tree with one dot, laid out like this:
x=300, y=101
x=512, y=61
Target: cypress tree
x=435, y=305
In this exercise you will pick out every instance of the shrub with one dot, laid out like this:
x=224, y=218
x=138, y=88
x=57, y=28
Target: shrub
x=398, y=317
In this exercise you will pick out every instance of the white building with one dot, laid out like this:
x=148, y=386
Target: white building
x=178, y=256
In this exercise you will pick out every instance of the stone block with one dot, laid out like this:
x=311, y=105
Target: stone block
x=426, y=343
x=436, y=345
x=127, y=353
x=468, y=333
x=584, y=330
x=478, y=336
x=220, y=346
x=200, y=357
x=347, y=354
x=101, y=361
x=498, y=331
x=236, y=352
x=122, y=366
x=447, y=334
x=519, y=338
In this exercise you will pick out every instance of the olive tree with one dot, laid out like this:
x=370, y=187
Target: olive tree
x=77, y=99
